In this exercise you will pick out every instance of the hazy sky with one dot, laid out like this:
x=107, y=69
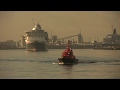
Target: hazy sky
x=92, y=24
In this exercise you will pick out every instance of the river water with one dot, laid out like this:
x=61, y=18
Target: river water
x=93, y=64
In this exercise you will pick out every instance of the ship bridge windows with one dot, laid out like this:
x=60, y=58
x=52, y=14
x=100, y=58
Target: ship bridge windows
x=36, y=37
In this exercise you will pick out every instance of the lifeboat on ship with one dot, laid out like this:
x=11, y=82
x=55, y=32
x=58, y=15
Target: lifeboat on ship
x=67, y=56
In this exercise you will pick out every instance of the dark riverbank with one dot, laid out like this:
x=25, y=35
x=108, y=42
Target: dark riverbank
x=59, y=47
x=73, y=47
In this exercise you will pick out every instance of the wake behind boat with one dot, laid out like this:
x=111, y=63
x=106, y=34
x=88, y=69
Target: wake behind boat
x=67, y=56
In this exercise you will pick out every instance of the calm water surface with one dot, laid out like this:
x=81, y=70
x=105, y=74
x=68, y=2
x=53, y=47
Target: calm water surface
x=93, y=64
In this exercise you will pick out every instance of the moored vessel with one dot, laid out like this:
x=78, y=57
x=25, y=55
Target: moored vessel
x=110, y=42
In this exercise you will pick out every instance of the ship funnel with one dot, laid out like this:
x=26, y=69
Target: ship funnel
x=114, y=32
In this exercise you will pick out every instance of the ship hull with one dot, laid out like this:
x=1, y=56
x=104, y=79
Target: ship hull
x=68, y=60
x=36, y=46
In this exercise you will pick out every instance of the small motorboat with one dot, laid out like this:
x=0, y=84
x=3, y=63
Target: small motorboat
x=67, y=56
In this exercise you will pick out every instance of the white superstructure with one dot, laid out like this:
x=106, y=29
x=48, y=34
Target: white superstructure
x=36, y=34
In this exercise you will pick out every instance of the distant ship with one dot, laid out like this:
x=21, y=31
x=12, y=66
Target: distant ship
x=36, y=39
x=111, y=42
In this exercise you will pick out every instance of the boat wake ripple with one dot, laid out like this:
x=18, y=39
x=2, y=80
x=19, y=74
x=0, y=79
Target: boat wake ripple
x=54, y=61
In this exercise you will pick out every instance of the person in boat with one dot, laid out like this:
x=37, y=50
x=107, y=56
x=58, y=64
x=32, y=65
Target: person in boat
x=71, y=52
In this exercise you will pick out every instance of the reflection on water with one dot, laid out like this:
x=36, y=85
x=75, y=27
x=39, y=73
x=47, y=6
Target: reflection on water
x=67, y=66
x=67, y=71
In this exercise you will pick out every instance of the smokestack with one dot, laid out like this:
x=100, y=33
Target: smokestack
x=112, y=27
x=51, y=34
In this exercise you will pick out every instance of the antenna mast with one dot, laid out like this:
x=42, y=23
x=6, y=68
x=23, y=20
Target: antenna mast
x=80, y=31
x=51, y=34
x=112, y=27
x=33, y=21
